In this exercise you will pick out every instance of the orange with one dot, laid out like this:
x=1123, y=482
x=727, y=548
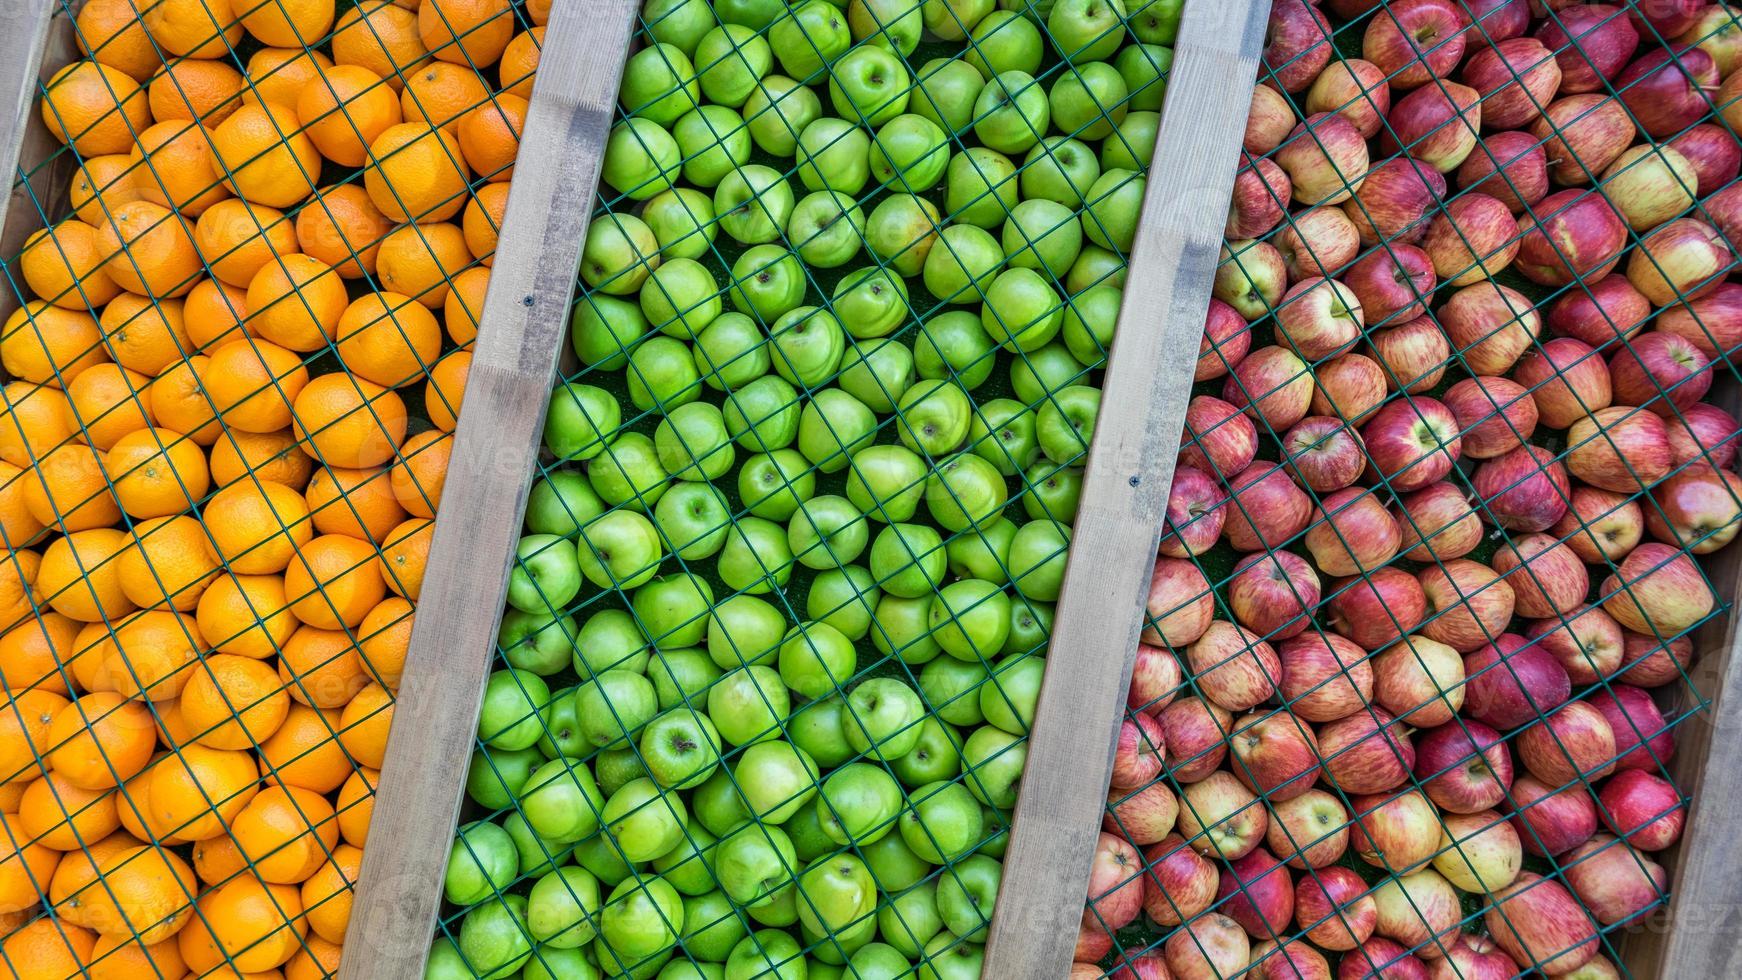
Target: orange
x=57, y=814
x=179, y=401
x=24, y=722
x=327, y=893
x=538, y=11
x=465, y=31
x=79, y=869
x=252, y=384
x=385, y=637
x=101, y=739
x=168, y=564
x=305, y=752
x=347, y=421
x=405, y=557
x=109, y=401
x=90, y=647
x=217, y=859
x=234, y=702
x=342, y=227
x=71, y=490
x=483, y=221
x=344, y=110
x=387, y=338
x=144, y=335
x=268, y=158
x=245, y=924
x=237, y=239
x=364, y=723
x=81, y=579
x=322, y=668
x=196, y=791
x=149, y=250
x=110, y=32
x=421, y=471
x=287, y=23
x=256, y=526
x=381, y=37
x=103, y=184
x=193, y=28
x=263, y=455
x=157, y=473
x=44, y=949
x=172, y=729
x=316, y=960
x=447, y=383
x=135, y=818
x=333, y=582
x=17, y=526
x=490, y=136
x=34, y=419
x=32, y=652
x=416, y=173
x=153, y=653
x=146, y=892
x=439, y=94
x=195, y=89
x=176, y=167
x=214, y=311
x=356, y=804
x=49, y=345
x=280, y=74
x=20, y=591
x=245, y=615
x=123, y=958
x=286, y=833
x=464, y=305
x=62, y=265
x=296, y=302
x=519, y=62
x=94, y=108
x=421, y=260
x=354, y=502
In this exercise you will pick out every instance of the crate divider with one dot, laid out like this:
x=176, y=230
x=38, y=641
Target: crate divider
x=34, y=44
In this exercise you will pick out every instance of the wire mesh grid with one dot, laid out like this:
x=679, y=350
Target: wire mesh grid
x=1434, y=501
x=754, y=712
x=234, y=358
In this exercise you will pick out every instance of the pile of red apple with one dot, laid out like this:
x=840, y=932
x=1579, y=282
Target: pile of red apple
x=1451, y=426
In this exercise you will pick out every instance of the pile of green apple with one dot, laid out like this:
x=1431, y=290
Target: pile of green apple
x=775, y=634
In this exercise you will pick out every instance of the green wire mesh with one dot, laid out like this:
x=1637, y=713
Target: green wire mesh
x=324, y=675
x=1237, y=559
x=826, y=313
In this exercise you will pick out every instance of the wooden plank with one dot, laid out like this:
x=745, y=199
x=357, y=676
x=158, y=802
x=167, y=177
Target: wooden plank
x=524, y=323
x=1148, y=382
x=36, y=40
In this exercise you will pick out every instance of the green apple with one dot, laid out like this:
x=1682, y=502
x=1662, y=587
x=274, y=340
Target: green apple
x=613, y=706
x=692, y=519
x=844, y=598
x=754, y=14
x=562, y=736
x=908, y=559
x=599, y=855
x=610, y=639
x=681, y=748
x=970, y=619
x=879, y=372
x=1059, y=169
x=718, y=805
x=969, y=889
x=482, y=862
x=767, y=954
x=881, y=961
x=562, y=907
x=1008, y=701
x=544, y=578
x=617, y=256
x=886, y=482
x=980, y=186
x=1044, y=371
x=645, y=821
x=493, y=938
x=1037, y=559
x=954, y=344
x=859, y=804
x=933, y=417
x=603, y=328
x=732, y=58
x=617, y=767
x=1132, y=144
x=909, y=153
x=816, y=659
x=883, y=718
x=747, y=704
x=893, y=24
x=673, y=610
x=951, y=689
x=816, y=728
x=806, y=345
x=678, y=22
x=935, y=757
x=777, y=778
x=1004, y=41
x=826, y=532
x=1086, y=30
x=1044, y=236
x=689, y=867
x=1095, y=266
x=561, y=803
x=992, y=760
x=692, y=443
x=755, y=558
x=714, y=140
x=1156, y=21
x=763, y=415
x=901, y=231
x=773, y=485
x=640, y=919
x=833, y=155
x=899, y=629
x=942, y=823
x=958, y=269
x=1030, y=627
x=1110, y=219
x=1002, y=433
x=619, y=550
x=494, y=779
x=628, y=473
x=560, y=502
x=1022, y=311
x=778, y=111
x=680, y=298
x=947, y=88
x=711, y=927
x=662, y=375
x=767, y=282
x=731, y=352
x=682, y=677
x=965, y=491
x=910, y=918
x=808, y=37
x=832, y=427
x=1012, y=112
x=1065, y=423
x=1144, y=69
x=826, y=228
x=682, y=220
x=872, y=301
x=1088, y=100
x=753, y=203
x=981, y=552
x=1089, y=324
x=1054, y=491
x=743, y=629
x=893, y=863
x=641, y=159
x=659, y=83
x=835, y=895
x=579, y=419
x=869, y=85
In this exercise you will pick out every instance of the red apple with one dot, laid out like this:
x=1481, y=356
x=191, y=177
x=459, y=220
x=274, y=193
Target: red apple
x=1570, y=236
x=1143, y=816
x=1267, y=510
x=1546, y=576
x=1614, y=881
x=1536, y=920
x=1324, y=676
x=1197, y=737
x=1420, y=681
x=1334, y=910
x=1412, y=443
x=1155, y=679
x=1551, y=821
x=1597, y=313
x=1524, y=489
x=1716, y=32
x=1650, y=184
x=1274, y=754
x=1437, y=124
x=1592, y=43
x=1414, y=354
x=1643, y=738
x=1218, y=439
x=1257, y=892
x=1468, y=604
x=1297, y=44
x=1319, y=318
x=1516, y=77
x=1414, y=42
x=1294, y=961
x=1649, y=663
x=1209, y=947
x=1115, y=883
x=1714, y=153
x=1723, y=208
x=1374, y=610
x=1496, y=20
x=1658, y=591
x=1196, y=511
x=1666, y=91
x=1509, y=167
x=1420, y=909
x=1644, y=808
x=1179, y=883
x=1093, y=943
x=1473, y=958
x=1712, y=323
x=1355, y=89
x=1349, y=387
x=1703, y=432
x=1273, y=594
x=1680, y=261
x=1324, y=453
x=1269, y=121
x=1326, y=157
x=1137, y=759
x=1512, y=682
x=1250, y=277
x=1233, y=667
x=1180, y=605
x=1620, y=448
x=1394, y=201
x=1573, y=745
x=1221, y=817
x=1151, y=966
x=1367, y=752
x=1308, y=831
x=1491, y=326
x=1666, y=18
x=1271, y=385
x=1438, y=523
x=1586, y=640
x=1479, y=852
x=1392, y=284
x=1352, y=533
x=1495, y=416
x=1698, y=508
x=1380, y=959
x=1463, y=766
x=1262, y=192
x=1397, y=832
x=1567, y=381
x=1318, y=242
x=1226, y=340
x=1475, y=238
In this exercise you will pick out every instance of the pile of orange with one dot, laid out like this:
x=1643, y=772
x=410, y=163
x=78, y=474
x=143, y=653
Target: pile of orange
x=229, y=402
